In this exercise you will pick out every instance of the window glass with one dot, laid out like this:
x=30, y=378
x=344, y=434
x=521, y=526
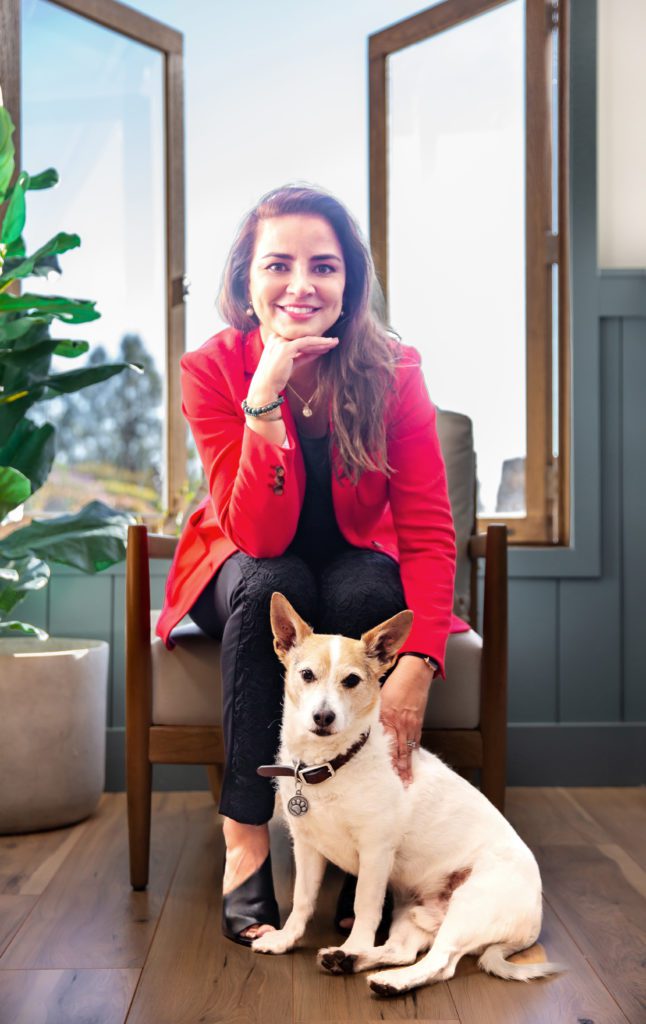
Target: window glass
x=92, y=107
x=456, y=243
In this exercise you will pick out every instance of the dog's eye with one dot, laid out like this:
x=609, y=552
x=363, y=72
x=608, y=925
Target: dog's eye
x=307, y=675
x=351, y=680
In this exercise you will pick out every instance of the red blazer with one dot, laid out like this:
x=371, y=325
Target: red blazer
x=407, y=516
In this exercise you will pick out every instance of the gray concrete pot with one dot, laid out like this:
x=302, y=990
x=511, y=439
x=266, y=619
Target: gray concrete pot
x=52, y=731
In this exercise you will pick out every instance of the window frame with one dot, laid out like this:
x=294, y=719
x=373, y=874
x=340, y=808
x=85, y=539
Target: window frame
x=547, y=477
x=145, y=30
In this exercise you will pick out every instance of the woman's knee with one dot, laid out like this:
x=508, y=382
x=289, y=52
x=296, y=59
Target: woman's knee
x=287, y=575
x=358, y=591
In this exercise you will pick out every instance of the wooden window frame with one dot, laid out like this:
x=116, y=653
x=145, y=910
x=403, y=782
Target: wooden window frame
x=127, y=22
x=547, y=478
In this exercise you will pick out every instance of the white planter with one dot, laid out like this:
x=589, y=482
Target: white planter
x=52, y=731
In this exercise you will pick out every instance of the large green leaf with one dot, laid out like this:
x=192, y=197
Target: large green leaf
x=14, y=218
x=31, y=574
x=31, y=449
x=14, y=489
x=10, y=330
x=65, y=383
x=26, y=354
x=17, y=248
x=61, y=243
x=6, y=150
x=72, y=311
x=12, y=628
x=71, y=348
x=90, y=540
x=46, y=179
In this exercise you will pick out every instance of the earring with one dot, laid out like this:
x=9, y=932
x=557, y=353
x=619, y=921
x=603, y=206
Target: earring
x=249, y=310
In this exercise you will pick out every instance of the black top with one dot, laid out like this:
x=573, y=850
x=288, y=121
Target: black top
x=318, y=538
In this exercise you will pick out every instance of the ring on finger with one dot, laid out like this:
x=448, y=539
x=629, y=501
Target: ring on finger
x=412, y=744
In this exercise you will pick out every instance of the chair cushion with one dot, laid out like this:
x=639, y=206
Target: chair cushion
x=454, y=702
x=187, y=686
x=455, y=432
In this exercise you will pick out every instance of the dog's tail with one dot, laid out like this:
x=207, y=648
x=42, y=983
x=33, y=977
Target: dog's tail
x=493, y=961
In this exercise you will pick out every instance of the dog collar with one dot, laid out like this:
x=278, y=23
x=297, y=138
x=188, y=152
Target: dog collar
x=313, y=774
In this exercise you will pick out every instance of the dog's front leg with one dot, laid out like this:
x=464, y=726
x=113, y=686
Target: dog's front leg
x=310, y=868
x=375, y=865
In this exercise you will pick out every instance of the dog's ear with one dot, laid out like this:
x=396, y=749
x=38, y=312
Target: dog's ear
x=287, y=626
x=384, y=640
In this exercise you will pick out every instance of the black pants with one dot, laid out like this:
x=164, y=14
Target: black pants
x=357, y=590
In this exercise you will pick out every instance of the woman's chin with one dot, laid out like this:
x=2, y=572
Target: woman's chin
x=292, y=330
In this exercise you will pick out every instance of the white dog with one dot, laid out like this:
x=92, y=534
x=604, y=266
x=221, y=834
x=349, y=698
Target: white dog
x=463, y=881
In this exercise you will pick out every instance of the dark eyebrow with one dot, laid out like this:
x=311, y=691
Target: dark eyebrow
x=288, y=256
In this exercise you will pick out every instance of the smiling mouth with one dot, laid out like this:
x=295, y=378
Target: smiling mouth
x=299, y=310
x=322, y=732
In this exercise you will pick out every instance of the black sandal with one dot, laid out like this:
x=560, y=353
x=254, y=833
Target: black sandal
x=345, y=906
x=252, y=902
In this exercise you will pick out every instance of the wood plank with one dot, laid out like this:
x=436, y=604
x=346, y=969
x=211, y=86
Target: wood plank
x=605, y=915
x=66, y=997
x=577, y=995
x=621, y=813
x=13, y=911
x=547, y=816
x=29, y=861
x=89, y=917
x=319, y=997
x=193, y=973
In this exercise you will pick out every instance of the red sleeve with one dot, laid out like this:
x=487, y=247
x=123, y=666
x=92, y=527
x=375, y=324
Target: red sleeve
x=244, y=471
x=421, y=512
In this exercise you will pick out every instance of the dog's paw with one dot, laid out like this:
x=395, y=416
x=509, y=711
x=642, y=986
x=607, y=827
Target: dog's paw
x=336, y=961
x=386, y=983
x=277, y=941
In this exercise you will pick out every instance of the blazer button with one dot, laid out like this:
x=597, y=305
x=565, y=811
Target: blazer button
x=280, y=471
x=278, y=488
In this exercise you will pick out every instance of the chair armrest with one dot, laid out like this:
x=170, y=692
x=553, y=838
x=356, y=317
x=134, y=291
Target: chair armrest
x=161, y=545
x=493, y=703
x=138, y=654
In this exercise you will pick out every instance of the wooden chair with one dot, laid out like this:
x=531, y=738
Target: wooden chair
x=173, y=698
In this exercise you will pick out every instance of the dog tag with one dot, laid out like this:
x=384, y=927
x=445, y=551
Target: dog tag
x=298, y=805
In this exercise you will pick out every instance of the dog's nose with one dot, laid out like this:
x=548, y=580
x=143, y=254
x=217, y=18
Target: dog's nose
x=324, y=717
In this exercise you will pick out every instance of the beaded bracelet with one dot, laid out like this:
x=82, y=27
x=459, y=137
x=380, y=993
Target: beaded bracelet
x=261, y=409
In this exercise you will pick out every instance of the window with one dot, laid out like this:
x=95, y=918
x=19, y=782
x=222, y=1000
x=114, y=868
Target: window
x=100, y=99
x=468, y=219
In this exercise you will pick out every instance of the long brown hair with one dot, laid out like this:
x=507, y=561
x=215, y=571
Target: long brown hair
x=360, y=371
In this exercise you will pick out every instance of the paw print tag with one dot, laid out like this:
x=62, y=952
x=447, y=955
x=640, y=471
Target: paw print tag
x=298, y=805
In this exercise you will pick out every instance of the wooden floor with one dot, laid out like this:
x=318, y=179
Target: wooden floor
x=77, y=946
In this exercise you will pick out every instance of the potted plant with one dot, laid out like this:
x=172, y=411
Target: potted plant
x=52, y=690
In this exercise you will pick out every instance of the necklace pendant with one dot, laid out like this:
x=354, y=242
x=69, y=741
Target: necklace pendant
x=298, y=805
x=307, y=411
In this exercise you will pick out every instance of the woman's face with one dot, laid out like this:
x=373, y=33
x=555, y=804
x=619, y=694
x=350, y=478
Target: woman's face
x=297, y=276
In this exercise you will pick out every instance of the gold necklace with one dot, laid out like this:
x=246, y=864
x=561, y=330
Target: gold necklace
x=306, y=410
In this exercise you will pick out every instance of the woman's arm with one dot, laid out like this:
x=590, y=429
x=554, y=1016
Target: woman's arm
x=421, y=512
x=251, y=477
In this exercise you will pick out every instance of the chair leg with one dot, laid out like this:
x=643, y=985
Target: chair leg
x=493, y=775
x=139, y=785
x=215, y=773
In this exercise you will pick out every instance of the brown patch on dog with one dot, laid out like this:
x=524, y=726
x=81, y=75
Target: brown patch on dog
x=453, y=882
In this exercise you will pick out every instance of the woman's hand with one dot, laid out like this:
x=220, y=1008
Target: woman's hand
x=277, y=362
x=403, y=702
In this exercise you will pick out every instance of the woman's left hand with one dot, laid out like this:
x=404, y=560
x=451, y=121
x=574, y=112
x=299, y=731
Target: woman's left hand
x=403, y=703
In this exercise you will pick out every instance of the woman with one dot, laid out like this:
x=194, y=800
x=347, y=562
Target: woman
x=326, y=482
